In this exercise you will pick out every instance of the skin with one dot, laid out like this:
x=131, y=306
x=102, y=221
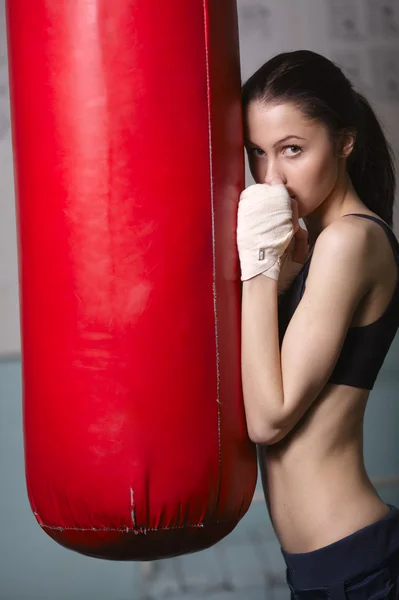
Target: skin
x=311, y=432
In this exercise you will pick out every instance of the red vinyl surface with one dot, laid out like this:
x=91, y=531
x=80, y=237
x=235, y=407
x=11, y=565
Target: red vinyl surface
x=128, y=158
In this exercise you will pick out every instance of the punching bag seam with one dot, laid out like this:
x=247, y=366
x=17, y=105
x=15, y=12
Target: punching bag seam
x=208, y=90
x=140, y=530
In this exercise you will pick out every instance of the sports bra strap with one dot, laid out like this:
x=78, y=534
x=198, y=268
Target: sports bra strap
x=390, y=234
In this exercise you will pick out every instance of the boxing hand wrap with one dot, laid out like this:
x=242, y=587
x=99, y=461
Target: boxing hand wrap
x=264, y=229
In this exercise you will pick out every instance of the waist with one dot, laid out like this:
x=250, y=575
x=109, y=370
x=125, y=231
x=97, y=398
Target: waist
x=364, y=550
x=316, y=504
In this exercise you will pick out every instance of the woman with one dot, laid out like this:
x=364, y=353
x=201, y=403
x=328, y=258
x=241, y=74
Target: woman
x=317, y=152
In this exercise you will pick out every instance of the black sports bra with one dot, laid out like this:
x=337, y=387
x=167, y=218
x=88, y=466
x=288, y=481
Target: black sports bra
x=365, y=347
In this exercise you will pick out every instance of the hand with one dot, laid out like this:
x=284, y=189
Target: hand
x=300, y=251
x=296, y=254
x=293, y=260
x=300, y=243
x=265, y=229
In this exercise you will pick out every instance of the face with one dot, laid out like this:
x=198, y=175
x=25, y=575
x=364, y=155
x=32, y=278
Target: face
x=281, y=142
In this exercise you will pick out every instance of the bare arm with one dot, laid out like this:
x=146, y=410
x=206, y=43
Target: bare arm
x=280, y=387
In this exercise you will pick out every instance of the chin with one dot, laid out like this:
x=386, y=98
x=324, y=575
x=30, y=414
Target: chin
x=306, y=210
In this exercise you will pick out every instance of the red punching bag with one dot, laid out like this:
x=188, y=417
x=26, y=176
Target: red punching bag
x=128, y=158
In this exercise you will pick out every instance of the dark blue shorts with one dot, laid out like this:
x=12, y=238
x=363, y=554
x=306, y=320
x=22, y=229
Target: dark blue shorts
x=364, y=565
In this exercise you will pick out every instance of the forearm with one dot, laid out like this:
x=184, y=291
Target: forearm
x=265, y=229
x=261, y=361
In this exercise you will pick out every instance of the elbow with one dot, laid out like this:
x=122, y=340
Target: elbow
x=264, y=434
x=266, y=426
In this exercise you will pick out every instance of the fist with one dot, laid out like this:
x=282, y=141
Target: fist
x=264, y=229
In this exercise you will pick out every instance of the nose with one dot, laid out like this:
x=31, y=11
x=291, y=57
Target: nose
x=274, y=176
x=274, y=180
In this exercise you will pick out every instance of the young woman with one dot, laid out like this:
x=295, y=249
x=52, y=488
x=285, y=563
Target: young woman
x=314, y=341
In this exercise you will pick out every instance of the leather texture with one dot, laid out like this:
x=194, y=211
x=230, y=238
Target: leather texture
x=128, y=166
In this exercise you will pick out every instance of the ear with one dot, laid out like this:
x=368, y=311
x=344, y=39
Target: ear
x=346, y=143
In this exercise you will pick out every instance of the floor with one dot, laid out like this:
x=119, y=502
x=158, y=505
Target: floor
x=247, y=564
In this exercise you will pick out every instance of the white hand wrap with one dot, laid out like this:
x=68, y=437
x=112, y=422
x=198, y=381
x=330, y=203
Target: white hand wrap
x=264, y=229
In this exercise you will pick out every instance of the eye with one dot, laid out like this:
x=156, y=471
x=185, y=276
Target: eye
x=253, y=151
x=295, y=150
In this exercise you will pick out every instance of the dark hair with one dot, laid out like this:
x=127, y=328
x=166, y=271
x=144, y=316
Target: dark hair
x=321, y=90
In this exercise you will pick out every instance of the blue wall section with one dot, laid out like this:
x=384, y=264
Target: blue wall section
x=34, y=567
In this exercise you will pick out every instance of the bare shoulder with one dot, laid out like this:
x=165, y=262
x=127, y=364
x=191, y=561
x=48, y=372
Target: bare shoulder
x=359, y=248
x=347, y=243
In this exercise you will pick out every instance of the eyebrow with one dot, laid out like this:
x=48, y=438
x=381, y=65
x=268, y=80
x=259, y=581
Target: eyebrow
x=285, y=139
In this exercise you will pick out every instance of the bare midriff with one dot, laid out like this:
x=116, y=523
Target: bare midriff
x=315, y=481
